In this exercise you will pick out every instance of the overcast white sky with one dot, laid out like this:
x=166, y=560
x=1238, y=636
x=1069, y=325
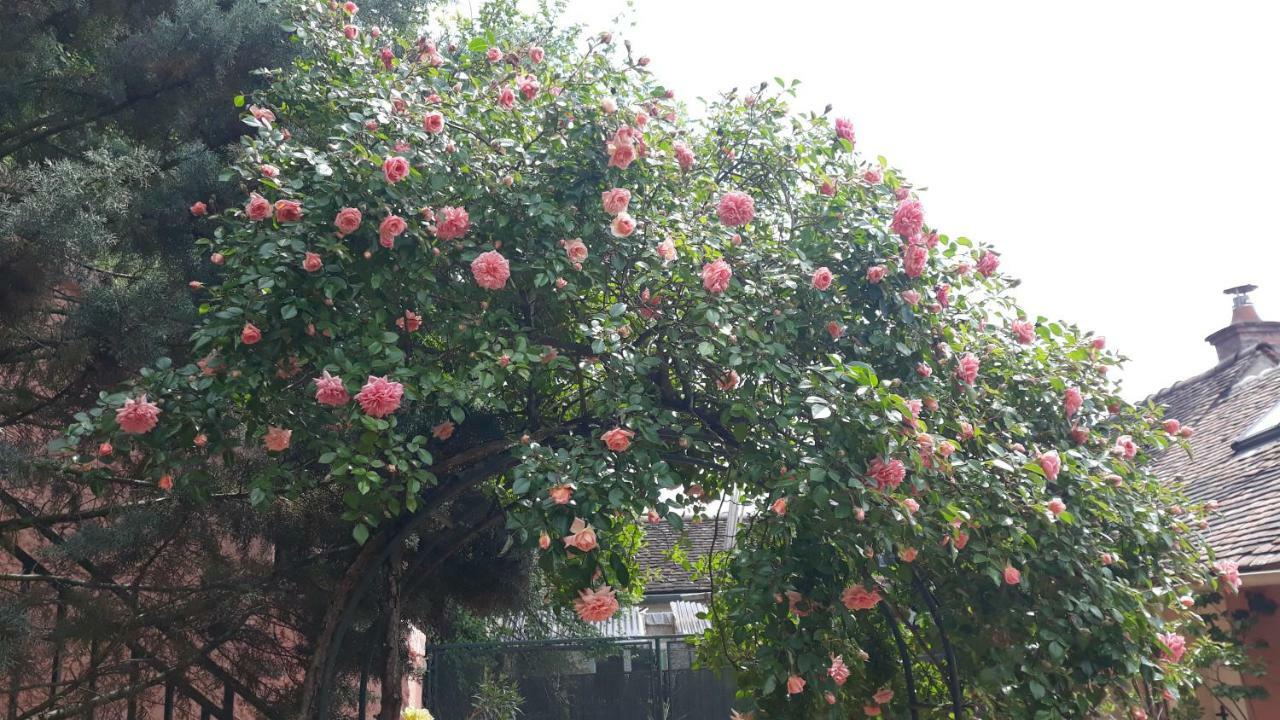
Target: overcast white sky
x=1124, y=156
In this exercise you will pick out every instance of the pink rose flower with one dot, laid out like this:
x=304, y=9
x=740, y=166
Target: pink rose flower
x=1174, y=647
x=844, y=129
x=876, y=273
x=1099, y=343
x=1056, y=506
x=684, y=156
x=822, y=278
x=258, y=208
x=616, y=200
x=1012, y=576
x=491, y=270
x=311, y=262
x=395, y=169
x=883, y=696
x=1187, y=601
x=910, y=504
x=908, y=555
x=795, y=685
x=728, y=381
x=736, y=209
x=135, y=417
x=1024, y=331
x=857, y=597
x=350, y=8
x=871, y=710
x=388, y=57
x=779, y=506
x=1171, y=426
x=277, y=439
x=1051, y=464
x=453, y=223
x=901, y=193
x=924, y=370
x=199, y=209
x=943, y=293
x=392, y=226
x=576, y=250
x=269, y=170
x=351, y=32
x=1228, y=572
x=622, y=225
x=443, y=430
x=827, y=188
x=988, y=263
x=536, y=54
x=715, y=276
x=911, y=297
x=914, y=258
x=409, y=322
x=581, y=536
x=1072, y=401
x=618, y=439
x=262, y=115
x=838, y=672
x=380, y=397
x=667, y=250
x=330, y=390
x=433, y=122
x=544, y=541
x=835, y=329
x=506, y=98
x=1186, y=432
x=561, y=494
x=873, y=176
x=250, y=334
x=967, y=368
x=609, y=106
x=829, y=696
x=347, y=220
x=621, y=149
x=1125, y=447
x=493, y=54
x=288, y=211
x=908, y=219
x=888, y=475
x=528, y=87
x=596, y=605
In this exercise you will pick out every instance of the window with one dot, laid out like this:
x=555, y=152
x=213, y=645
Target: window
x=1265, y=430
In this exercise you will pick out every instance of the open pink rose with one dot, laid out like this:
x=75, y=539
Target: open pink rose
x=883, y=696
x=736, y=209
x=667, y=250
x=908, y=219
x=779, y=506
x=622, y=225
x=453, y=223
x=277, y=439
x=330, y=390
x=838, y=672
x=258, y=207
x=617, y=439
x=528, y=87
x=616, y=200
x=311, y=262
x=844, y=129
x=250, y=334
x=1175, y=646
x=595, y=605
x=380, y=397
x=887, y=475
x=967, y=368
x=136, y=416
x=433, y=122
x=1056, y=506
x=581, y=536
x=914, y=259
x=561, y=494
x=536, y=54
x=395, y=169
x=795, y=685
x=575, y=250
x=873, y=176
x=1051, y=464
x=876, y=273
x=1072, y=401
x=684, y=156
x=490, y=270
x=1012, y=576
x=988, y=263
x=506, y=97
x=199, y=209
x=288, y=211
x=1023, y=331
x=392, y=226
x=347, y=220
x=715, y=276
x=857, y=597
x=822, y=278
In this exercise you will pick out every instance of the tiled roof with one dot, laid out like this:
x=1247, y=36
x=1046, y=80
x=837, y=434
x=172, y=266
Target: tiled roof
x=663, y=575
x=1221, y=405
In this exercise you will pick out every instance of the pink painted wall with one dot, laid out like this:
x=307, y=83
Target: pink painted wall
x=1268, y=631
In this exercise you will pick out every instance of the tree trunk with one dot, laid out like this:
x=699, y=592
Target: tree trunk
x=393, y=641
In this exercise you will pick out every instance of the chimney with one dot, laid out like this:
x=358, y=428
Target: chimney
x=1246, y=328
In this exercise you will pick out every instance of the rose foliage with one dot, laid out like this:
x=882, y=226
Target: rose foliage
x=506, y=219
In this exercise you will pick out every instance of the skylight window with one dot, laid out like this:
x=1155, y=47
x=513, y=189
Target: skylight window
x=1265, y=430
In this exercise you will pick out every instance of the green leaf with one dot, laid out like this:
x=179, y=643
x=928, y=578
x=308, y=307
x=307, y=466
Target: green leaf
x=238, y=101
x=361, y=533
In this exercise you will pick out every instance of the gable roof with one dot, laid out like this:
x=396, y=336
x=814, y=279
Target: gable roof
x=1222, y=405
x=697, y=539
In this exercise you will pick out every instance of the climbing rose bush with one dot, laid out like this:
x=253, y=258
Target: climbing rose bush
x=503, y=254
